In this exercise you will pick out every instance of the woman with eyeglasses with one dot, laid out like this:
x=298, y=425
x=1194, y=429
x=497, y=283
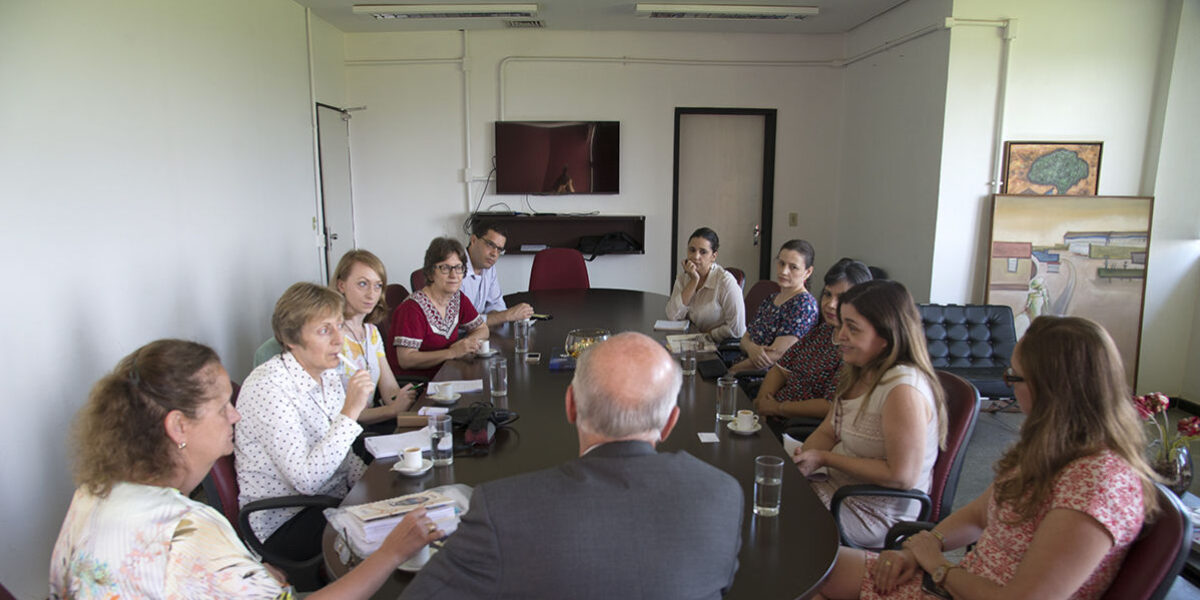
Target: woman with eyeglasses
x=1070, y=496
x=425, y=326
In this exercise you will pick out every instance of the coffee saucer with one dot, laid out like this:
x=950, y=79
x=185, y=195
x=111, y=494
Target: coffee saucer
x=426, y=465
x=491, y=352
x=451, y=399
x=732, y=425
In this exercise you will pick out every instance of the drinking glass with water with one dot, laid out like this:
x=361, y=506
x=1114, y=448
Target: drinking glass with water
x=768, y=485
x=441, y=440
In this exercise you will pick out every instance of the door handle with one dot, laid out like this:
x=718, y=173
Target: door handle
x=757, y=232
x=333, y=236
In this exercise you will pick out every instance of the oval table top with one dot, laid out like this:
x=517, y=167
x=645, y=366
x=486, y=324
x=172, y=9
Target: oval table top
x=785, y=556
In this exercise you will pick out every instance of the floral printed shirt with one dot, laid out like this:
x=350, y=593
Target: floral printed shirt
x=152, y=542
x=794, y=317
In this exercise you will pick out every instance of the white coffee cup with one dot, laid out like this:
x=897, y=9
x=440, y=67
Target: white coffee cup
x=484, y=347
x=411, y=458
x=745, y=420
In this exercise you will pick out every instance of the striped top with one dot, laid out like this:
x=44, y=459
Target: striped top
x=146, y=541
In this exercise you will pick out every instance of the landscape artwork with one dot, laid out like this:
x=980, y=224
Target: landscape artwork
x=1072, y=256
x=1052, y=168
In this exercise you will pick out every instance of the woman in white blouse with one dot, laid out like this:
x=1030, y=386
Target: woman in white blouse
x=149, y=433
x=361, y=278
x=705, y=293
x=298, y=423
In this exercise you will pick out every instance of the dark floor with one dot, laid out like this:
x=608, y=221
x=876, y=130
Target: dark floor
x=993, y=434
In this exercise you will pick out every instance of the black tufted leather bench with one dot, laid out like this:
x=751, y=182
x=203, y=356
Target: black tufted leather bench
x=974, y=341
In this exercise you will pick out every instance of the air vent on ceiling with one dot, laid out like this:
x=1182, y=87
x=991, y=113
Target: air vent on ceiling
x=447, y=11
x=526, y=24
x=726, y=11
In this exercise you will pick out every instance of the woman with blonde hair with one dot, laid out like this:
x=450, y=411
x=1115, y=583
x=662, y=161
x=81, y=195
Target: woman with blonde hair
x=149, y=433
x=1069, y=497
x=889, y=416
x=361, y=279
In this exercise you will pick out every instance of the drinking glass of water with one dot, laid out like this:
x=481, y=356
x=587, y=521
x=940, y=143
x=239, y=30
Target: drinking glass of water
x=687, y=356
x=768, y=485
x=441, y=440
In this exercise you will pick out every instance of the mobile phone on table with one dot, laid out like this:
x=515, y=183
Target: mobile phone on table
x=538, y=317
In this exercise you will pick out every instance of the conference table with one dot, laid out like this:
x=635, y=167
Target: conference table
x=785, y=556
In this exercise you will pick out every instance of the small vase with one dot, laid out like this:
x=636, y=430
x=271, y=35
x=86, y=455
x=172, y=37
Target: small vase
x=1176, y=470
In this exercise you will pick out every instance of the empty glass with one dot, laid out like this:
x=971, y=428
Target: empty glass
x=521, y=335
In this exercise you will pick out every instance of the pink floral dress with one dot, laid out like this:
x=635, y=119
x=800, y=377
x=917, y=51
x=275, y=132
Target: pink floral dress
x=1101, y=486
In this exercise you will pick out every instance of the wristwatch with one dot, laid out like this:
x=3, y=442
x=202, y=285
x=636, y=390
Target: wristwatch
x=939, y=574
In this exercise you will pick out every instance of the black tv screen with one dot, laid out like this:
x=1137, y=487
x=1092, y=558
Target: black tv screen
x=558, y=157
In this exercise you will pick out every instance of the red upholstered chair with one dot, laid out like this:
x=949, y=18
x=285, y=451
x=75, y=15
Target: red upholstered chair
x=394, y=294
x=739, y=275
x=5, y=595
x=758, y=292
x=558, y=269
x=1157, y=556
x=1152, y=564
x=221, y=488
x=416, y=280
x=962, y=408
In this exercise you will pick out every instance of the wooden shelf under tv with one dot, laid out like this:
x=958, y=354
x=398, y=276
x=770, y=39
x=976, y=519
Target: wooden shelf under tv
x=563, y=231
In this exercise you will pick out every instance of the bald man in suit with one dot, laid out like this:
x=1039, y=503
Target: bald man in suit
x=621, y=521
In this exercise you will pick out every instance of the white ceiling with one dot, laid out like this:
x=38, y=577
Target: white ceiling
x=836, y=16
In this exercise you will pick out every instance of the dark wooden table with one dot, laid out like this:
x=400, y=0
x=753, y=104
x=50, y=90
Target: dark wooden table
x=781, y=557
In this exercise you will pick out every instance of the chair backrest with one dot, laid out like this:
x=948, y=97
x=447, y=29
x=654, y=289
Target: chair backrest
x=394, y=295
x=221, y=485
x=266, y=350
x=5, y=595
x=416, y=280
x=962, y=411
x=758, y=292
x=738, y=275
x=1156, y=557
x=558, y=269
x=975, y=341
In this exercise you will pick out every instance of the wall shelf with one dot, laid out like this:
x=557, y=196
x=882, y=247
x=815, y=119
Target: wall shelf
x=563, y=231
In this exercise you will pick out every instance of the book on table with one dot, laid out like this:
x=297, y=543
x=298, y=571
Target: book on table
x=374, y=520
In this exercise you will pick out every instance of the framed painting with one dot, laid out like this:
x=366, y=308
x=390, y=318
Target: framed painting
x=1081, y=256
x=1052, y=168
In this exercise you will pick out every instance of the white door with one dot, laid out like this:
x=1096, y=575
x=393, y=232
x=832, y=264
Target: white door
x=337, y=205
x=720, y=185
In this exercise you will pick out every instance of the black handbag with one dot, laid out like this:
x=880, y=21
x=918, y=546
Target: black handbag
x=609, y=243
x=479, y=422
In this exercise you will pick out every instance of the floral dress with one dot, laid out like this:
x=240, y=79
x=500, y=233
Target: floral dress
x=812, y=365
x=1101, y=486
x=794, y=317
x=145, y=541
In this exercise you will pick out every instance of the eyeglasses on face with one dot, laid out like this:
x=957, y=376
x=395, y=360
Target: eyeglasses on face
x=448, y=269
x=492, y=246
x=1010, y=378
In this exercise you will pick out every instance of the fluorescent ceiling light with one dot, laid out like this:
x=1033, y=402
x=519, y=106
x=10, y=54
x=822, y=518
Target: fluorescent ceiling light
x=447, y=11
x=725, y=11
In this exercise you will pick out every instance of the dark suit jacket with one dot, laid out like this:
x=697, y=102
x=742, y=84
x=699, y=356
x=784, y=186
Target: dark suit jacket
x=622, y=522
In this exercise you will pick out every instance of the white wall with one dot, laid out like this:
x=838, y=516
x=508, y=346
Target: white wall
x=157, y=168
x=409, y=146
x=892, y=144
x=1078, y=70
x=328, y=62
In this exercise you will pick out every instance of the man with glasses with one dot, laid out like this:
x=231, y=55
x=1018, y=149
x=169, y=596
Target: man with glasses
x=481, y=285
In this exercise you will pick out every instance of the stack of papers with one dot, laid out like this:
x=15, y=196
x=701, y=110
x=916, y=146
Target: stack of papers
x=365, y=526
x=372, y=522
x=445, y=388
x=706, y=345
x=665, y=325
x=387, y=446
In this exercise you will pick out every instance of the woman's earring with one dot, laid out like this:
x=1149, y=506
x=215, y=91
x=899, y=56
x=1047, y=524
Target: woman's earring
x=182, y=445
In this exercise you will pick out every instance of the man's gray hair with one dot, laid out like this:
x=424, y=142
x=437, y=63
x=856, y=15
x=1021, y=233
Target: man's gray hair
x=601, y=411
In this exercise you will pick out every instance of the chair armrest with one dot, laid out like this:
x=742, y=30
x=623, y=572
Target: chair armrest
x=867, y=489
x=902, y=530
x=256, y=544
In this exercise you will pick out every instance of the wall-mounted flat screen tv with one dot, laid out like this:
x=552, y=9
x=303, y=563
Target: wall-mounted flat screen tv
x=558, y=157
